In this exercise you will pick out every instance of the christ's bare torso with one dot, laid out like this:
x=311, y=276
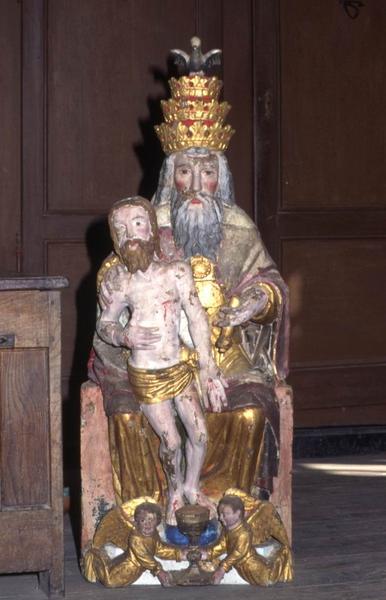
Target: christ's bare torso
x=154, y=300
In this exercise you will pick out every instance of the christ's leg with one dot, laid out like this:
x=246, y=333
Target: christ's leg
x=190, y=412
x=161, y=417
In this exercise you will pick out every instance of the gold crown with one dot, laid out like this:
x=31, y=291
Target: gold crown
x=193, y=116
x=195, y=85
x=196, y=110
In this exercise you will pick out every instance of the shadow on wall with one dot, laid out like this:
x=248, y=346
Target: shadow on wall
x=149, y=152
x=98, y=246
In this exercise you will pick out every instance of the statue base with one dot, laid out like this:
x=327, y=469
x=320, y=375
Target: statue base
x=230, y=578
x=193, y=575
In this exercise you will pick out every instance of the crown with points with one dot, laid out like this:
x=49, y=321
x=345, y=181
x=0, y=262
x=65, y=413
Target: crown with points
x=193, y=115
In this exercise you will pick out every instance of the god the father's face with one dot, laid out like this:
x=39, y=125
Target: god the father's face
x=196, y=173
x=195, y=208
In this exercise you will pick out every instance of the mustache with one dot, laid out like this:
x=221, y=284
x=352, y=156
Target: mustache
x=210, y=202
x=140, y=243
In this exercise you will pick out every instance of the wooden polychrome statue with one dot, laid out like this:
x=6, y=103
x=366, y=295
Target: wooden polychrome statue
x=205, y=305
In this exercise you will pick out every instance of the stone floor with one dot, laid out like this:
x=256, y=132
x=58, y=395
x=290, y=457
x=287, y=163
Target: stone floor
x=339, y=543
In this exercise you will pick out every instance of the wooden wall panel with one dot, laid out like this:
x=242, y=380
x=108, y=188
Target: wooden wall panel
x=337, y=300
x=10, y=148
x=238, y=80
x=100, y=88
x=104, y=94
x=24, y=416
x=330, y=218
x=333, y=90
x=340, y=395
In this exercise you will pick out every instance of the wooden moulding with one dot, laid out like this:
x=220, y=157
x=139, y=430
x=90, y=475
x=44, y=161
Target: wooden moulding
x=33, y=283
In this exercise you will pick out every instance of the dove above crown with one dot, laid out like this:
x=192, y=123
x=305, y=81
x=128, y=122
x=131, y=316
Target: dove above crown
x=193, y=115
x=196, y=62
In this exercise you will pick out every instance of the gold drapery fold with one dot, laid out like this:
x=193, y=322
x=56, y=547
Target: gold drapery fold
x=225, y=463
x=137, y=470
x=136, y=467
x=152, y=386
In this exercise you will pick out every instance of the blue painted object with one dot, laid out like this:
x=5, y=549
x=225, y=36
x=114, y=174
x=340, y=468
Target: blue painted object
x=174, y=536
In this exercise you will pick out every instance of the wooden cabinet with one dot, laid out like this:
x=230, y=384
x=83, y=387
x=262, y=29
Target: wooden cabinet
x=31, y=480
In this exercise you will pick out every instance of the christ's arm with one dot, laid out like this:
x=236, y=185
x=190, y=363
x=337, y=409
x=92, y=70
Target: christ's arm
x=211, y=380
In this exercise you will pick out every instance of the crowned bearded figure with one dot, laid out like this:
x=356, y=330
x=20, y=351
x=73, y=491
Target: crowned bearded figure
x=241, y=290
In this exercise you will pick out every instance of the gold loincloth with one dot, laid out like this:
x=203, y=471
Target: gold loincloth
x=152, y=386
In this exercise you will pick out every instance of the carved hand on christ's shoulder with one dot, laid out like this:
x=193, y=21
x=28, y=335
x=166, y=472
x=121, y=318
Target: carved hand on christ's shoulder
x=252, y=303
x=112, y=282
x=140, y=338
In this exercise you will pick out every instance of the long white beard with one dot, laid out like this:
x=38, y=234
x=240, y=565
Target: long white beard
x=197, y=231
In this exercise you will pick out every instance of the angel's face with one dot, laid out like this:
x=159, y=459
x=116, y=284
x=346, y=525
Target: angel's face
x=229, y=518
x=147, y=523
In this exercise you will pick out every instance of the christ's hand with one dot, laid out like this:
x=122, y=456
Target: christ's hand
x=213, y=386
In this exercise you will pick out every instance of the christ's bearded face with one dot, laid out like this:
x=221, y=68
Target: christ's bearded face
x=134, y=237
x=196, y=210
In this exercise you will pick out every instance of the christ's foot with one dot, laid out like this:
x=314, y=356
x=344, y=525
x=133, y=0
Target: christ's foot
x=175, y=502
x=194, y=496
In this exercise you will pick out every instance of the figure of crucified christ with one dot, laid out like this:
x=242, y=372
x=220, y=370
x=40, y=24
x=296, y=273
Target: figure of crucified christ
x=155, y=294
